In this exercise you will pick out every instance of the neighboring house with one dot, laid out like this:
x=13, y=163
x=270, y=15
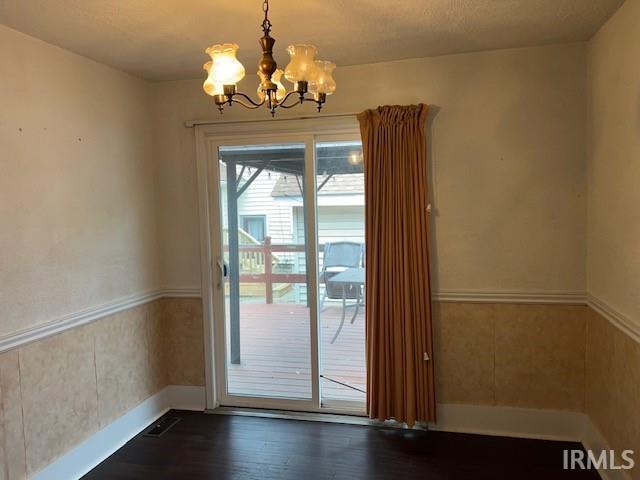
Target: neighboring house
x=259, y=214
x=273, y=206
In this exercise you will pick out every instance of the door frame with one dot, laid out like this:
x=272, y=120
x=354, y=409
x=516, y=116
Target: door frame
x=208, y=138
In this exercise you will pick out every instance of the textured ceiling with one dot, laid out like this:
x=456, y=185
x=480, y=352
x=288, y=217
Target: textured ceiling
x=165, y=39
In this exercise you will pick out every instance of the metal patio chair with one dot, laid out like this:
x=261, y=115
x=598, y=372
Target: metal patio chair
x=338, y=258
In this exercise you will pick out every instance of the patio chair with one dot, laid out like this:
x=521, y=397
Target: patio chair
x=338, y=257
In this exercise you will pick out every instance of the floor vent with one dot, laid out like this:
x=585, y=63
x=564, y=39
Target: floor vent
x=161, y=426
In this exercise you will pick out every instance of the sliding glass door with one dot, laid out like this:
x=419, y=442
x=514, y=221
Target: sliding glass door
x=340, y=236
x=289, y=259
x=268, y=320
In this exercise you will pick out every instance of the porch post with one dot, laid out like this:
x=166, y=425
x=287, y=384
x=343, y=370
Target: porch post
x=234, y=262
x=268, y=282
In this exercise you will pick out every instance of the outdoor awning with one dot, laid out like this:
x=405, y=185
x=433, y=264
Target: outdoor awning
x=331, y=159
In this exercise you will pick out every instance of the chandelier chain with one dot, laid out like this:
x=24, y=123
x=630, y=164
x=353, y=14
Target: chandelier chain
x=266, y=23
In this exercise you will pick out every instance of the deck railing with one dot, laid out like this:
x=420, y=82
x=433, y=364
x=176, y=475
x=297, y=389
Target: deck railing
x=260, y=257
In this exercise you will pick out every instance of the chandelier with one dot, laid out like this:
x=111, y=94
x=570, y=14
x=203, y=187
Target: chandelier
x=308, y=76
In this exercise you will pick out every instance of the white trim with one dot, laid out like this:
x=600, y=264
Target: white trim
x=290, y=405
x=204, y=152
x=474, y=419
x=526, y=423
x=89, y=315
x=235, y=131
x=510, y=422
x=76, y=319
x=82, y=458
x=183, y=397
x=462, y=296
x=181, y=292
x=324, y=417
x=543, y=298
x=624, y=323
x=273, y=121
x=82, y=317
x=311, y=246
x=208, y=137
x=592, y=439
x=468, y=296
x=87, y=455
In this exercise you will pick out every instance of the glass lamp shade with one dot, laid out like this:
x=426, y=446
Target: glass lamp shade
x=302, y=66
x=275, y=78
x=323, y=81
x=225, y=68
x=210, y=87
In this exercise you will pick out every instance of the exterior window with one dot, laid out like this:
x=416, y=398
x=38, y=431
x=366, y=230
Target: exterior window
x=255, y=225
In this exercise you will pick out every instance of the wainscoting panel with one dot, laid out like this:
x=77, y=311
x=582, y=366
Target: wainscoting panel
x=59, y=401
x=129, y=361
x=12, y=454
x=184, y=340
x=613, y=385
x=464, y=343
x=59, y=391
x=516, y=355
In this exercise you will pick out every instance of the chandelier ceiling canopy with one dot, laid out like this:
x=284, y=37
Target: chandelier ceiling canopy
x=312, y=79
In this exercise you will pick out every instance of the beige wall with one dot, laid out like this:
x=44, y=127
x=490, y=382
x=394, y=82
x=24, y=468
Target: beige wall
x=507, y=153
x=516, y=355
x=83, y=150
x=530, y=356
x=613, y=385
x=77, y=187
x=57, y=392
x=613, y=226
x=614, y=162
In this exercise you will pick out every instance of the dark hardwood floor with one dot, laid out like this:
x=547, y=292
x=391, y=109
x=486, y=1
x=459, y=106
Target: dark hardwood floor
x=220, y=447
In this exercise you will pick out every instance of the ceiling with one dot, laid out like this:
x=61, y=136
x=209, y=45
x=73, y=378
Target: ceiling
x=165, y=39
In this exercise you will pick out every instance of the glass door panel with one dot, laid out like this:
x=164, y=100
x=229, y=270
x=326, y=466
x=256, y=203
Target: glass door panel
x=267, y=324
x=341, y=247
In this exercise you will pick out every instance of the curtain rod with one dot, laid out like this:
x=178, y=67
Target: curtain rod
x=193, y=123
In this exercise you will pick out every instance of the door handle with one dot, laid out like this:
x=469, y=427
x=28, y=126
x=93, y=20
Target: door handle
x=222, y=266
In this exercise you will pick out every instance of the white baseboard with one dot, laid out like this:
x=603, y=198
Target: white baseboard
x=85, y=456
x=510, y=422
x=526, y=423
x=592, y=439
x=485, y=420
x=183, y=397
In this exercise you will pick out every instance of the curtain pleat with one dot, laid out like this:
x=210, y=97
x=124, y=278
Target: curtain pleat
x=400, y=382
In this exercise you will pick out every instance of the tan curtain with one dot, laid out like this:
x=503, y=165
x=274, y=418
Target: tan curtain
x=400, y=383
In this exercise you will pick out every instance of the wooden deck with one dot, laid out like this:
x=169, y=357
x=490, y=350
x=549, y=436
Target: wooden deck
x=275, y=353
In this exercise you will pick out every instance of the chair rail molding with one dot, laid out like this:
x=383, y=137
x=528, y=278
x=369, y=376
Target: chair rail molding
x=625, y=324
x=82, y=317
x=467, y=296
x=508, y=296
x=88, y=315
